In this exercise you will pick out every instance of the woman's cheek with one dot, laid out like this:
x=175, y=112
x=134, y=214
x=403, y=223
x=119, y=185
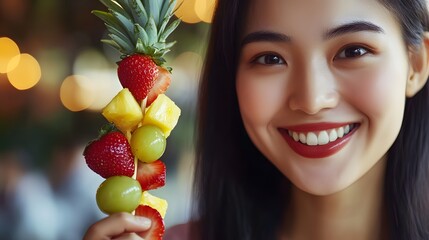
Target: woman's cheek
x=374, y=91
x=259, y=97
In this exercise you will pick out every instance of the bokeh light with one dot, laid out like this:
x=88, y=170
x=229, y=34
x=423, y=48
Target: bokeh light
x=205, y=9
x=90, y=59
x=77, y=93
x=107, y=86
x=94, y=65
x=26, y=71
x=186, y=11
x=8, y=50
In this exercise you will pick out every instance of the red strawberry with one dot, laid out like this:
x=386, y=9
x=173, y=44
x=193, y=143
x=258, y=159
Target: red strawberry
x=151, y=175
x=157, y=228
x=110, y=155
x=138, y=73
x=161, y=84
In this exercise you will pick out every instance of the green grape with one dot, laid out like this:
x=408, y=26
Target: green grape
x=148, y=143
x=119, y=194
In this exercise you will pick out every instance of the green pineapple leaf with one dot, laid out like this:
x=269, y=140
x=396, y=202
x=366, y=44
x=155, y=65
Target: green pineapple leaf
x=108, y=18
x=115, y=7
x=139, y=26
x=141, y=34
x=151, y=31
x=169, y=30
x=112, y=43
x=139, y=12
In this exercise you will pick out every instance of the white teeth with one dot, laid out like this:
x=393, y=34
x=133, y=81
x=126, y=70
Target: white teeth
x=340, y=132
x=347, y=129
x=295, y=136
x=311, y=139
x=302, y=138
x=322, y=137
x=333, y=135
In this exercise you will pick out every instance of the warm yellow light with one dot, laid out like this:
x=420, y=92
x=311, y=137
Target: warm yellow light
x=8, y=50
x=90, y=59
x=77, y=93
x=106, y=86
x=27, y=72
x=205, y=9
x=92, y=64
x=186, y=11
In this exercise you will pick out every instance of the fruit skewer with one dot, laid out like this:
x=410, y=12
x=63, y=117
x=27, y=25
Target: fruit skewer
x=128, y=135
x=128, y=152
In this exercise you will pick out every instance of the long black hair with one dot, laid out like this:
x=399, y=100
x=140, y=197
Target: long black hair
x=241, y=195
x=407, y=175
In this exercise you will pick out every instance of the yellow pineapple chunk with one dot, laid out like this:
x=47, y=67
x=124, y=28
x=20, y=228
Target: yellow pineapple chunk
x=124, y=111
x=154, y=202
x=163, y=113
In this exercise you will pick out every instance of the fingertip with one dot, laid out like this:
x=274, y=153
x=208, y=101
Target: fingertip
x=92, y=232
x=138, y=221
x=117, y=224
x=143, y=221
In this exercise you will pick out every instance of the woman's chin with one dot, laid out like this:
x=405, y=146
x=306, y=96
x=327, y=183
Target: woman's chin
x=324, y=185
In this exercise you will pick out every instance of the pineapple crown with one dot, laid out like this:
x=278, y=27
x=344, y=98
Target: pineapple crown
x=139, y=26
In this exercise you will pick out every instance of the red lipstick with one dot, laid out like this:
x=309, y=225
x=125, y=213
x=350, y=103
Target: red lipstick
x=318, y=151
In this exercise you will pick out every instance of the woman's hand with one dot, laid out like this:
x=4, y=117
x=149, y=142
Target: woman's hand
x=118, y=226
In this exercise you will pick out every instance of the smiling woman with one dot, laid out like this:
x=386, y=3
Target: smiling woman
x=313, y=122
x=345, y=75
x=321, y=96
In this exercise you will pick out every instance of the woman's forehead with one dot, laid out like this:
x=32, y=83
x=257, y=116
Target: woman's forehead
x=313, y=17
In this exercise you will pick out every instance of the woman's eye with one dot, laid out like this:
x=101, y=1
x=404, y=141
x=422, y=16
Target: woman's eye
x=269, y=59
x=353, y=52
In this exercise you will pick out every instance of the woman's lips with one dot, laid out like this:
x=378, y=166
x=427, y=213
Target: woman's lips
x=318, y=140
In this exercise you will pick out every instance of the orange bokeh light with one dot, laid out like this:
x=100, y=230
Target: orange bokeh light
x=8, y=50
x=23, y=71
x=186, y=11
x=205, y=9
x=77, y=93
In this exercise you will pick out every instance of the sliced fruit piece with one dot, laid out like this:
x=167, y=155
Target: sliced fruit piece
x=157, y=203
x=138, y=73
x=157, y=228
x=110, y=155
x=148, y=143
x=151, y=175
x=118, y=194
x=124, y=111
x=160, y=85
x=163, y=113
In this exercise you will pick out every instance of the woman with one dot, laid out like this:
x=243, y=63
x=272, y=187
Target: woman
x=312, y=123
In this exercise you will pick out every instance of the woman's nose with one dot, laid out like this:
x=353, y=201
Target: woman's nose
x=313, y=88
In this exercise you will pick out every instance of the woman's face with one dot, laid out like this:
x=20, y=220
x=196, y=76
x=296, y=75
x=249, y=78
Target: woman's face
x=321, y=87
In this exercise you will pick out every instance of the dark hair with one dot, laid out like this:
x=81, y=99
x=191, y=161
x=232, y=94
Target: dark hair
x=407, y=173
x=240, y=194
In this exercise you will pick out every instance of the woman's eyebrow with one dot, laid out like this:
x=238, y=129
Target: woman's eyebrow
x=269, y=36
x=264, y=36
x=356, y=26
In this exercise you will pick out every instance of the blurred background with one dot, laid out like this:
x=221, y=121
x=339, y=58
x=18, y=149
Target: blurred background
x=55, y=77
